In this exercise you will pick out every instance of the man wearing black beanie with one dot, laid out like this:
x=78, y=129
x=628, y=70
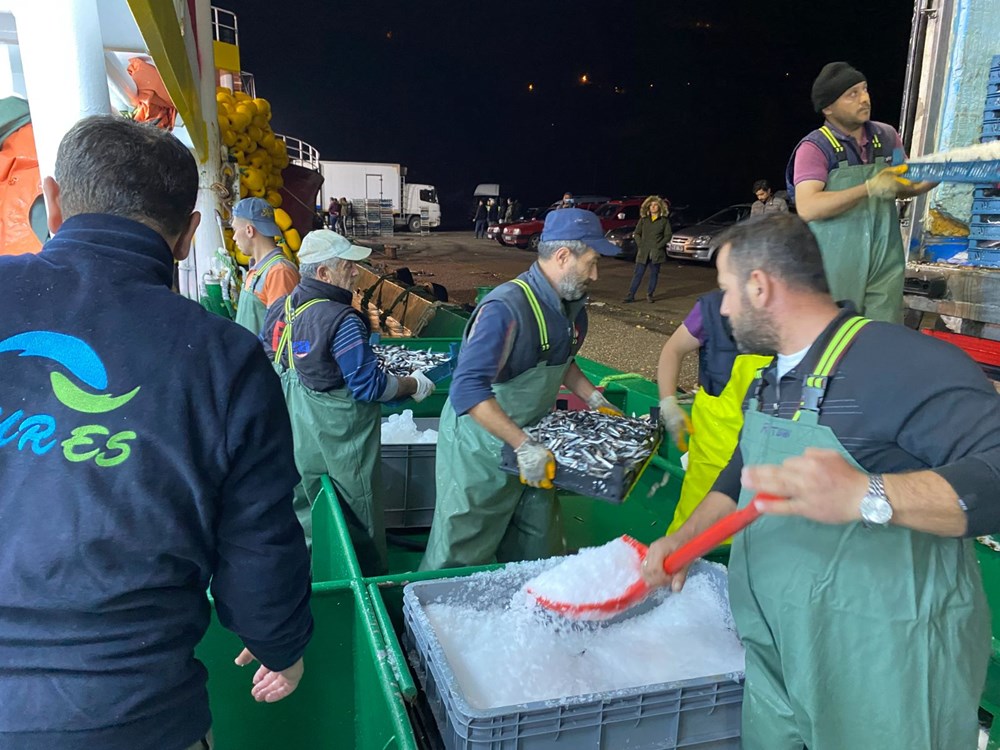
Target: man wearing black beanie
x=839, y=180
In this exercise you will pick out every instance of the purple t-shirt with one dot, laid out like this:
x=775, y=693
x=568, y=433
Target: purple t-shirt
x=695, y=325
x=810, y=161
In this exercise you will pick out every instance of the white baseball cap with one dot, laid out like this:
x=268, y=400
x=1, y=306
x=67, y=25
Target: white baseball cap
x=323, y=244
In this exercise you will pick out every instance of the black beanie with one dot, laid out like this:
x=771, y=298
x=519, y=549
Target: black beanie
x=832, y=82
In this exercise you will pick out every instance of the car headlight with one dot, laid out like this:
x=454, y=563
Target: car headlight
x=703, y=239
x=515, y=231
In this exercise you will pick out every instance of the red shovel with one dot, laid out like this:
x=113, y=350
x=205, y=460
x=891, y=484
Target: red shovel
x=687, y=553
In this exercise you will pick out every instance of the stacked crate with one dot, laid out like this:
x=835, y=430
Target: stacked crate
x=984, y=228
x=385, y=217
x=359, y=217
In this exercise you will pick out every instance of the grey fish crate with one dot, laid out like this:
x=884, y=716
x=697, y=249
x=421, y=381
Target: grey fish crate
x=696, y=714
x=408, y=484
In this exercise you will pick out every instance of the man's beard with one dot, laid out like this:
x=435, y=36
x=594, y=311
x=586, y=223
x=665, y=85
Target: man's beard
x=754, y=330
x=572, y=287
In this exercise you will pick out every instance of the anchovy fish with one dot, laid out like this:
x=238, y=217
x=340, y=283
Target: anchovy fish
x=402, y=362
x=595, y=444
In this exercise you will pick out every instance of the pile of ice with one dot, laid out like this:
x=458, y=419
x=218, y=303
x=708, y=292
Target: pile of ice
x=400, y=429
x=505, y=650
x=594, y=574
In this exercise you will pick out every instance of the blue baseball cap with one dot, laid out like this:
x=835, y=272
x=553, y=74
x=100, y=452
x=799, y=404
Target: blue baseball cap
x=258, y=212
x=577, y=224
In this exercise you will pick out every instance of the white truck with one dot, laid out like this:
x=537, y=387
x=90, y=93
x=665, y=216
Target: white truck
x=376, y=181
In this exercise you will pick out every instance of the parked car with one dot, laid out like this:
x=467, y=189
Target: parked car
x=697, y=242
x=619, y=213
x=586, y=202
x=622, y=236
x=495, y=231
x=525, y=234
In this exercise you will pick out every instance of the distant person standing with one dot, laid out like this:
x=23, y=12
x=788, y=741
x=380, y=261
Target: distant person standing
x=333, y=211
x=515, y=210
x=508, y=215
x=493, y=211
x=568, y=201
x=480, y=219
x=766, y=203
x=652, y=234
x=345, y=211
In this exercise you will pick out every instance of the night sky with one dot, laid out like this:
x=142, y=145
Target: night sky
x=693, y=101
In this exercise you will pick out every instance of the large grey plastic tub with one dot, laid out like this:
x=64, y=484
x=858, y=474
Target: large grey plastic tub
x=408, y=481
x=702, y=713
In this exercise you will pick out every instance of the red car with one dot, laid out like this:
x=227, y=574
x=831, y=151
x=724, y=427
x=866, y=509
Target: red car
x=620, y=213
x=525, y=233
x=495, y=231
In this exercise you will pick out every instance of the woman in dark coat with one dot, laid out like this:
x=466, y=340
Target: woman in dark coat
x=652, y=234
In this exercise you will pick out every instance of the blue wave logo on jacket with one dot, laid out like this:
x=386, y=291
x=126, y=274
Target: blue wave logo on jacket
x=77, y=357
x=84, y=365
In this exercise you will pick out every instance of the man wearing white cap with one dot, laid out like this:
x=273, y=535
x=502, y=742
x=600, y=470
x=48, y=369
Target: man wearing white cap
x=333, y=384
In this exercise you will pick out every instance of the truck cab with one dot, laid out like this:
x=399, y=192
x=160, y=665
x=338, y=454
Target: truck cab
x=419, y=198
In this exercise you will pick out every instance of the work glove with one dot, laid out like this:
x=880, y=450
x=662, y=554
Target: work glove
x=425, y=386
x=676, y=420
x=597, y=402
x=887, y=184
x=536, y=464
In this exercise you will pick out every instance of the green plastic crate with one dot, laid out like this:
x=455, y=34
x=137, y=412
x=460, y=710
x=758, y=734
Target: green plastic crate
x=348, y=697
x=449, y=321
x=333, y=557
x=385, y=594
x=989, y=565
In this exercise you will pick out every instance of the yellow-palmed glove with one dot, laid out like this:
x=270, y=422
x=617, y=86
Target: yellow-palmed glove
x=597, y=402
x=536, y=464
x=887, y=184
x=676, y=420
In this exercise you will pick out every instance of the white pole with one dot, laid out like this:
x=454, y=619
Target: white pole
x=62, y=53
x=207, y=238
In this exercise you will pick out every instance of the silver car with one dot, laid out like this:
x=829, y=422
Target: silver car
x=697, y=242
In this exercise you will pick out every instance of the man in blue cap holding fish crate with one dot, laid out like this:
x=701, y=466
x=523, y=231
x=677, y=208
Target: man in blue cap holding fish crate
x=517, y=352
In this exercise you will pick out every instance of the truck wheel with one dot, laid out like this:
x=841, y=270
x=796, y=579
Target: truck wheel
x=414, y=224
x=533, y=242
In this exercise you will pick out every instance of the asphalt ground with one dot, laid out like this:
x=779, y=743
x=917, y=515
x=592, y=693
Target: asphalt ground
x=627, y=337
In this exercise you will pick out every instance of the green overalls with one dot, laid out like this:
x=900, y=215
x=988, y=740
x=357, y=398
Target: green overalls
x=334, y=434
x=856, y=638
x=862, y=249
x=482, y=514
x=250, y=311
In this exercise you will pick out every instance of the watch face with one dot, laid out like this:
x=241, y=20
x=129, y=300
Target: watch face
x=876, y=510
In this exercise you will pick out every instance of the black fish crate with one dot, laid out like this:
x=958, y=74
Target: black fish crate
x=614, y=487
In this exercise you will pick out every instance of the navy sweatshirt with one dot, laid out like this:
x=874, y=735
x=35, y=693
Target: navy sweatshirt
x=145, y=451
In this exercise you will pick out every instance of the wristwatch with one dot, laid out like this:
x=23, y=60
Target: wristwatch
x=875, y=507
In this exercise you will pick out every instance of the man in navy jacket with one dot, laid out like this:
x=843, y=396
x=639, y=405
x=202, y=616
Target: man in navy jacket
x=145, y=453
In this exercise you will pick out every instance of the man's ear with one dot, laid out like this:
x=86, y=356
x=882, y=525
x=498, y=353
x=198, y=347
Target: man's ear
x=182, y=246
x=760, y=289
x=53, y=206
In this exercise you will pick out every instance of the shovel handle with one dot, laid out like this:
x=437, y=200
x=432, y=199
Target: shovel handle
x=714, y=535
